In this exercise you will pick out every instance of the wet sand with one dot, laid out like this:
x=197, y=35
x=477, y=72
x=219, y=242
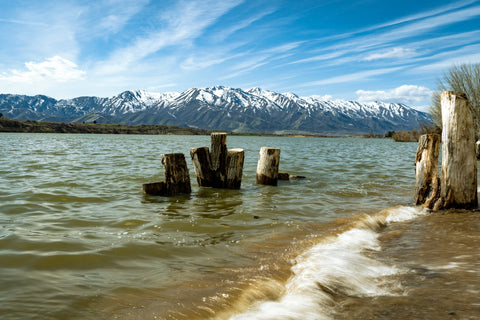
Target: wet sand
x=439, y=255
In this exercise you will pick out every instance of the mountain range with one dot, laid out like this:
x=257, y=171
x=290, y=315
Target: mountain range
x=221, y=108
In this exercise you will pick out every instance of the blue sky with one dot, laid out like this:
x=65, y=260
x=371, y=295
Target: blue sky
x=392, y=51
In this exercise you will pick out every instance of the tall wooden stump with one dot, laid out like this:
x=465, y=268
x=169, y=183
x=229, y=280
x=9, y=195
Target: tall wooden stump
x=267, y=167
x=459, y=162
x=201, y=164
x=218, y=158
x=235, y=160
x=177, y=177
x=220, y=168
x=427, y=187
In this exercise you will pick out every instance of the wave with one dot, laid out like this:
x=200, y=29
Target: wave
x=335, y=268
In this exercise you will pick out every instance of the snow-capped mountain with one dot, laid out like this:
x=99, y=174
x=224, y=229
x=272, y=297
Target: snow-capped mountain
x=221, y=108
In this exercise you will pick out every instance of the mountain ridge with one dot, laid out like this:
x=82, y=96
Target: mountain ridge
x=221, y=108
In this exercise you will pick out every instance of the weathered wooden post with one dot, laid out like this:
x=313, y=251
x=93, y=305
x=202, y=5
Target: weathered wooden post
x=459, y=161
x=177, y=178
x=235, y=160
x=218, y=158
x=267, y=167
x=218, y=167
x=427, y=187
x=201, y=164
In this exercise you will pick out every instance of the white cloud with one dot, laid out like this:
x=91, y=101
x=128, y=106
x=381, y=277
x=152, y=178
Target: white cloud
x=390, y=54
x=407, y=94
x=52, y=69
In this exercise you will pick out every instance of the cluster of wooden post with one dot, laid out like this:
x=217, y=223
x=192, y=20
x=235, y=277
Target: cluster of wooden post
x=457, y=187
x=216, y=167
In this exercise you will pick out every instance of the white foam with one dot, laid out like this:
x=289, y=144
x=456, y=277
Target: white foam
x=338, y=266
x=401, y=214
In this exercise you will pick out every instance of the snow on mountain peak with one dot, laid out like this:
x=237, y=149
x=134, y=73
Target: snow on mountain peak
x=226, y=108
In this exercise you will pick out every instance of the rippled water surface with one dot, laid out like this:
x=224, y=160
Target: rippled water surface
x=79, y=239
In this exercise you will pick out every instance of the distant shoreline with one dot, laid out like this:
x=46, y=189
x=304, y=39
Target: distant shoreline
x=32, y=126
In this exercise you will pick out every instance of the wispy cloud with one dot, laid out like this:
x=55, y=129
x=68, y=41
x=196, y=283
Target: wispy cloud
x=352, y=77
x=110, y=16
x=184, y=23
x=322, y=57
x=283, y=48
x=392, y=53
x=40, y=30
x=430, y=23
x=246, y=66
x=24, y=22
x=230, y=30
x=382, y=36
x=426, y=14
x=445, y=59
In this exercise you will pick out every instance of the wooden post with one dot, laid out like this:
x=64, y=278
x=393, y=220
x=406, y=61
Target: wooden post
x=218, y=158
x=459, y=162
x=177, y=178
x=220, y=168
x=202, y=167
x=234, y=168
x=267, y=167
x=427, y=188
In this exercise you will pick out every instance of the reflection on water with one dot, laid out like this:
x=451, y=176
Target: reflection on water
x=79, y=240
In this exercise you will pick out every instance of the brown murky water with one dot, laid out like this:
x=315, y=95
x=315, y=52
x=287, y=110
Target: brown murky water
x=79, y=240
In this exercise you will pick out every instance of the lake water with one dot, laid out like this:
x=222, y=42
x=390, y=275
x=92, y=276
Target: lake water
x=79, y=239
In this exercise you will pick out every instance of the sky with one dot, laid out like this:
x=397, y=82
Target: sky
x=391, y=51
